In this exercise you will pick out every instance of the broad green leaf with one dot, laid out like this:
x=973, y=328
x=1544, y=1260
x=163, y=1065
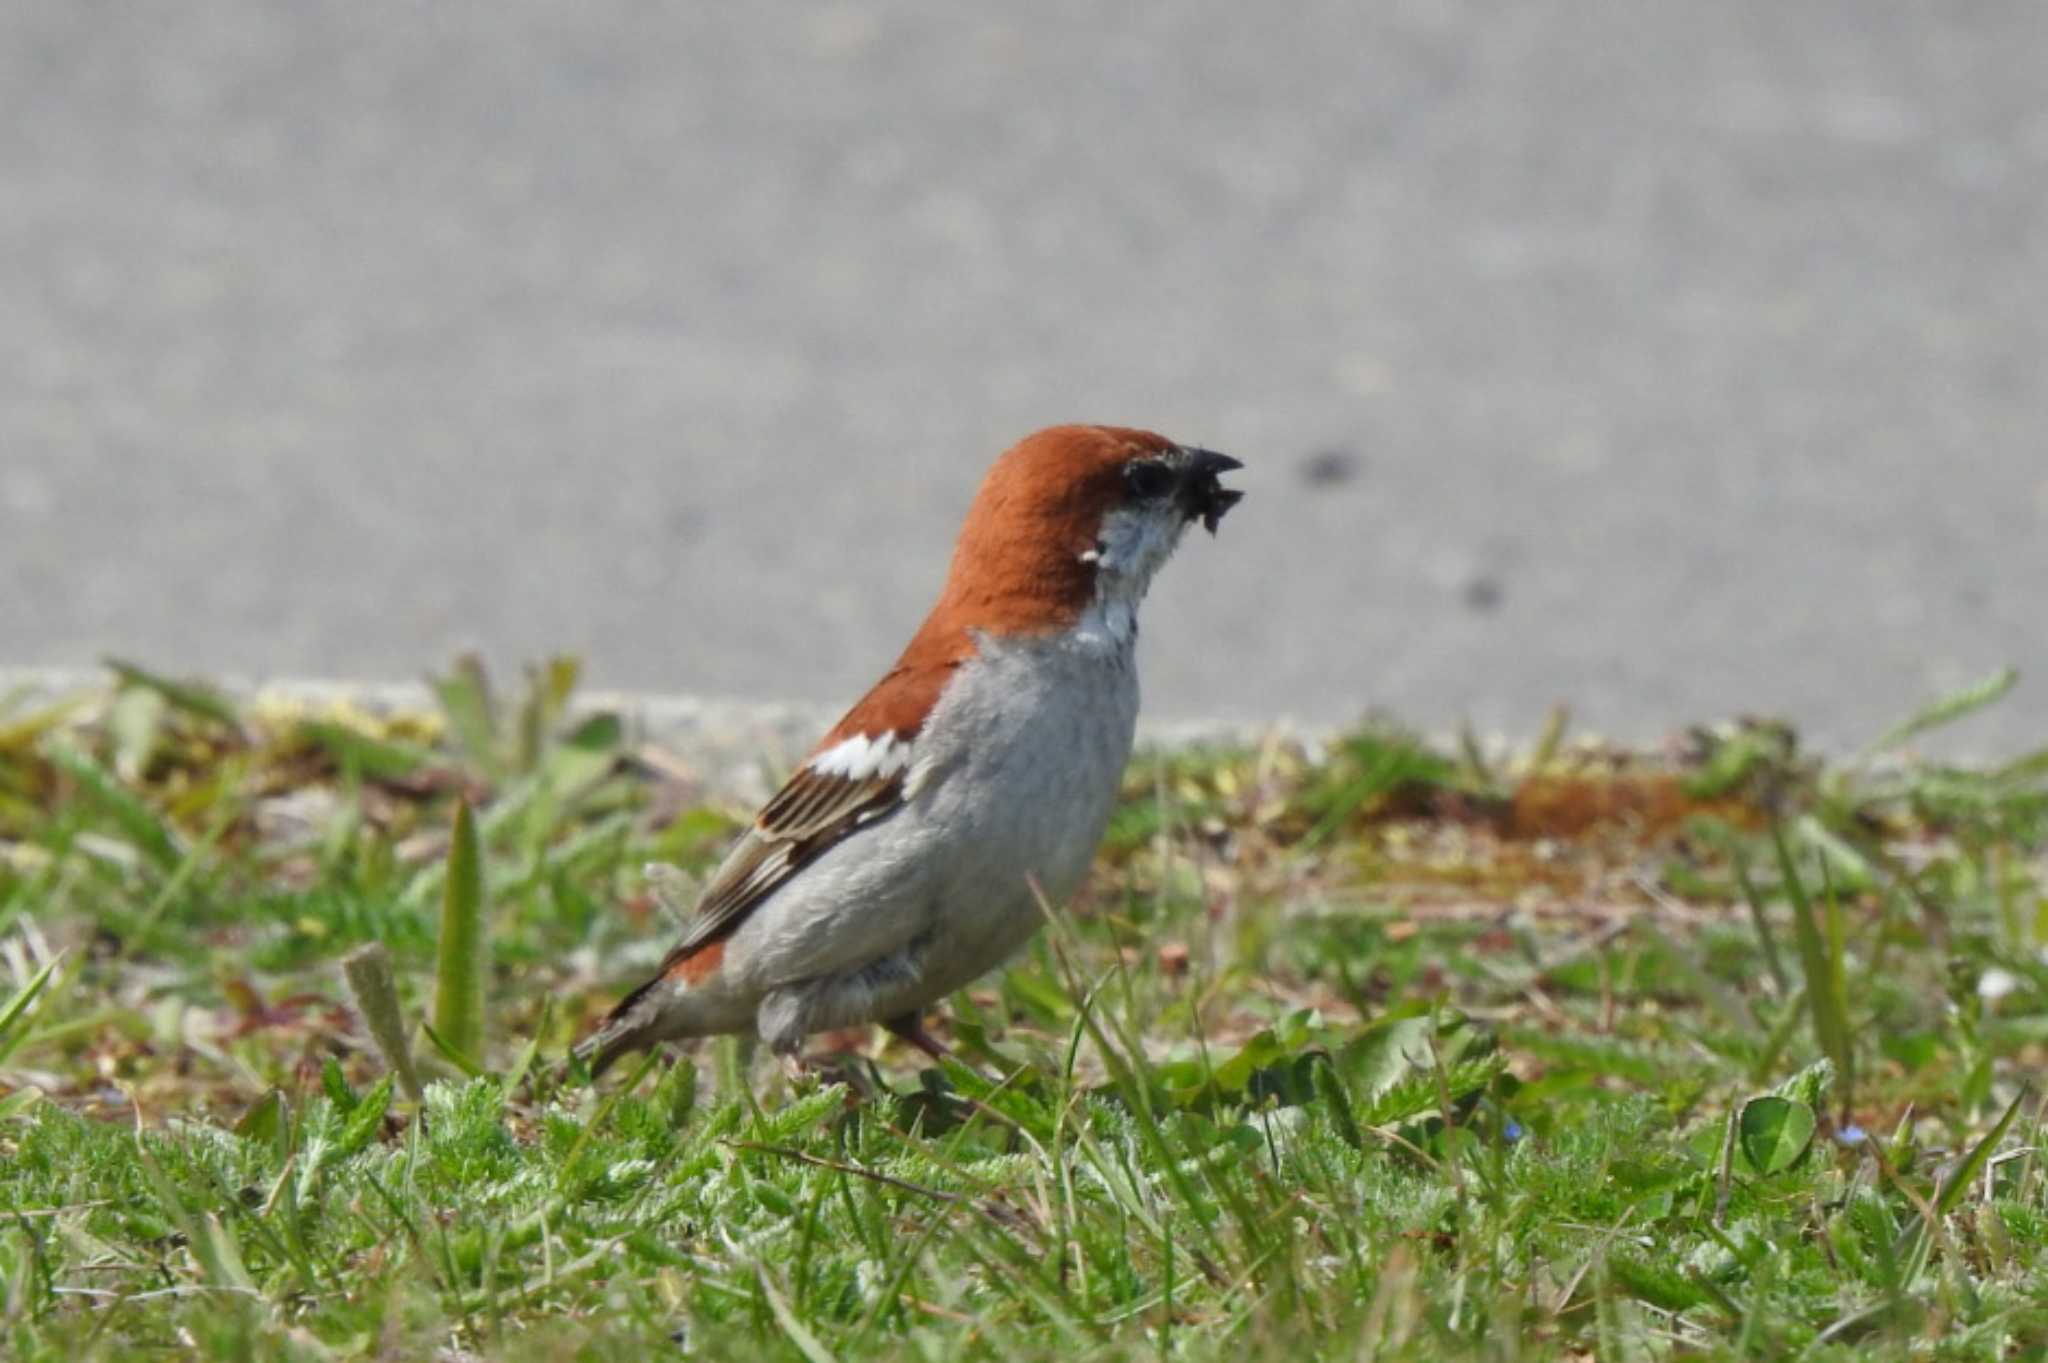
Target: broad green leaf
x=1775, y=1132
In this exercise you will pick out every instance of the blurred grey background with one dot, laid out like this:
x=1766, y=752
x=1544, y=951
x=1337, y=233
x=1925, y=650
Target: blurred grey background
x=1669, y=359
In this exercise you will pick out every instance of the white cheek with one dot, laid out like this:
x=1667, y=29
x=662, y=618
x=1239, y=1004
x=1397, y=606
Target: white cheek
x=1133, y=544
x=1129, y=549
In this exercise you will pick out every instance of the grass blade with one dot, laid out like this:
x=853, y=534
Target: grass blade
x=463, y=956
x=374, y=759
x=471, y=1067
x=548, y=688
x=11, y=1011
x=1820, y=957
x=151, y=836
x=1555, y=725
x=1914, y=1244
x=194, y=698
x=1946, y=710
x=792, y=1324
x=372, y=981
x=465, y=696
x=1766, y=939
x=1960, y=1177
x=135, y=722
x=27, y=729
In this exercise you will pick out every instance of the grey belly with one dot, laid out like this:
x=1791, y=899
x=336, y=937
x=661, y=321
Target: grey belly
x=1034, y=850
x=1028, y=752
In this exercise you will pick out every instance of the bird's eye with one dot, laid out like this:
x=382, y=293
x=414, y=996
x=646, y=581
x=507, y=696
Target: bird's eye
x=1148, y=478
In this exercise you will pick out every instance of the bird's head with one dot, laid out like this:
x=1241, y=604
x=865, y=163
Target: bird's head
x=1079, y=516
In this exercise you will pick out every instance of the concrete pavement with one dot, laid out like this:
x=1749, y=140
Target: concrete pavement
x=1668, y=359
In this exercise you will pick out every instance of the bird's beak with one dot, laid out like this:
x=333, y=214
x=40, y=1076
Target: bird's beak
x=1201, y=496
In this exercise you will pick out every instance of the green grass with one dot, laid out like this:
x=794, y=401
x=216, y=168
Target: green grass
x=1380, y=1052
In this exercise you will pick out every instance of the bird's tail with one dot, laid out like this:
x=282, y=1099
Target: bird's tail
x=633, y=1025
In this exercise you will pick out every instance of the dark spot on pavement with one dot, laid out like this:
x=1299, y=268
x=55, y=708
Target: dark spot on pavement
x=1484, y=593
x=1327, y=468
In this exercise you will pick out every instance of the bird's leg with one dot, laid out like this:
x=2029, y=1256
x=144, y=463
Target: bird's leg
x=802, y=1072
x=910, y=1027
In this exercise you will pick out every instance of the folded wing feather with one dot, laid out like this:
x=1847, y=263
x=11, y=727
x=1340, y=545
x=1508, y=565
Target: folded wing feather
x=831, y=796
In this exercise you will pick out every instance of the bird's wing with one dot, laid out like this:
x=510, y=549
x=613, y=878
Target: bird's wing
x=860, y=773
x=815, y=810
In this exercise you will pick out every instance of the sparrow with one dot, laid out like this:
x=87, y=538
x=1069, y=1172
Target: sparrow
x=909, y=852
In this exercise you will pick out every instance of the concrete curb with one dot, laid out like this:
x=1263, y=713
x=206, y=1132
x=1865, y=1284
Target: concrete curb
x=734, y=747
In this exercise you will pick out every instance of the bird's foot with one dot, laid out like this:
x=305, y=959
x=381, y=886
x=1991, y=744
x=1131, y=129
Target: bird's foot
x=910, y=1027
x=824, y=1069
